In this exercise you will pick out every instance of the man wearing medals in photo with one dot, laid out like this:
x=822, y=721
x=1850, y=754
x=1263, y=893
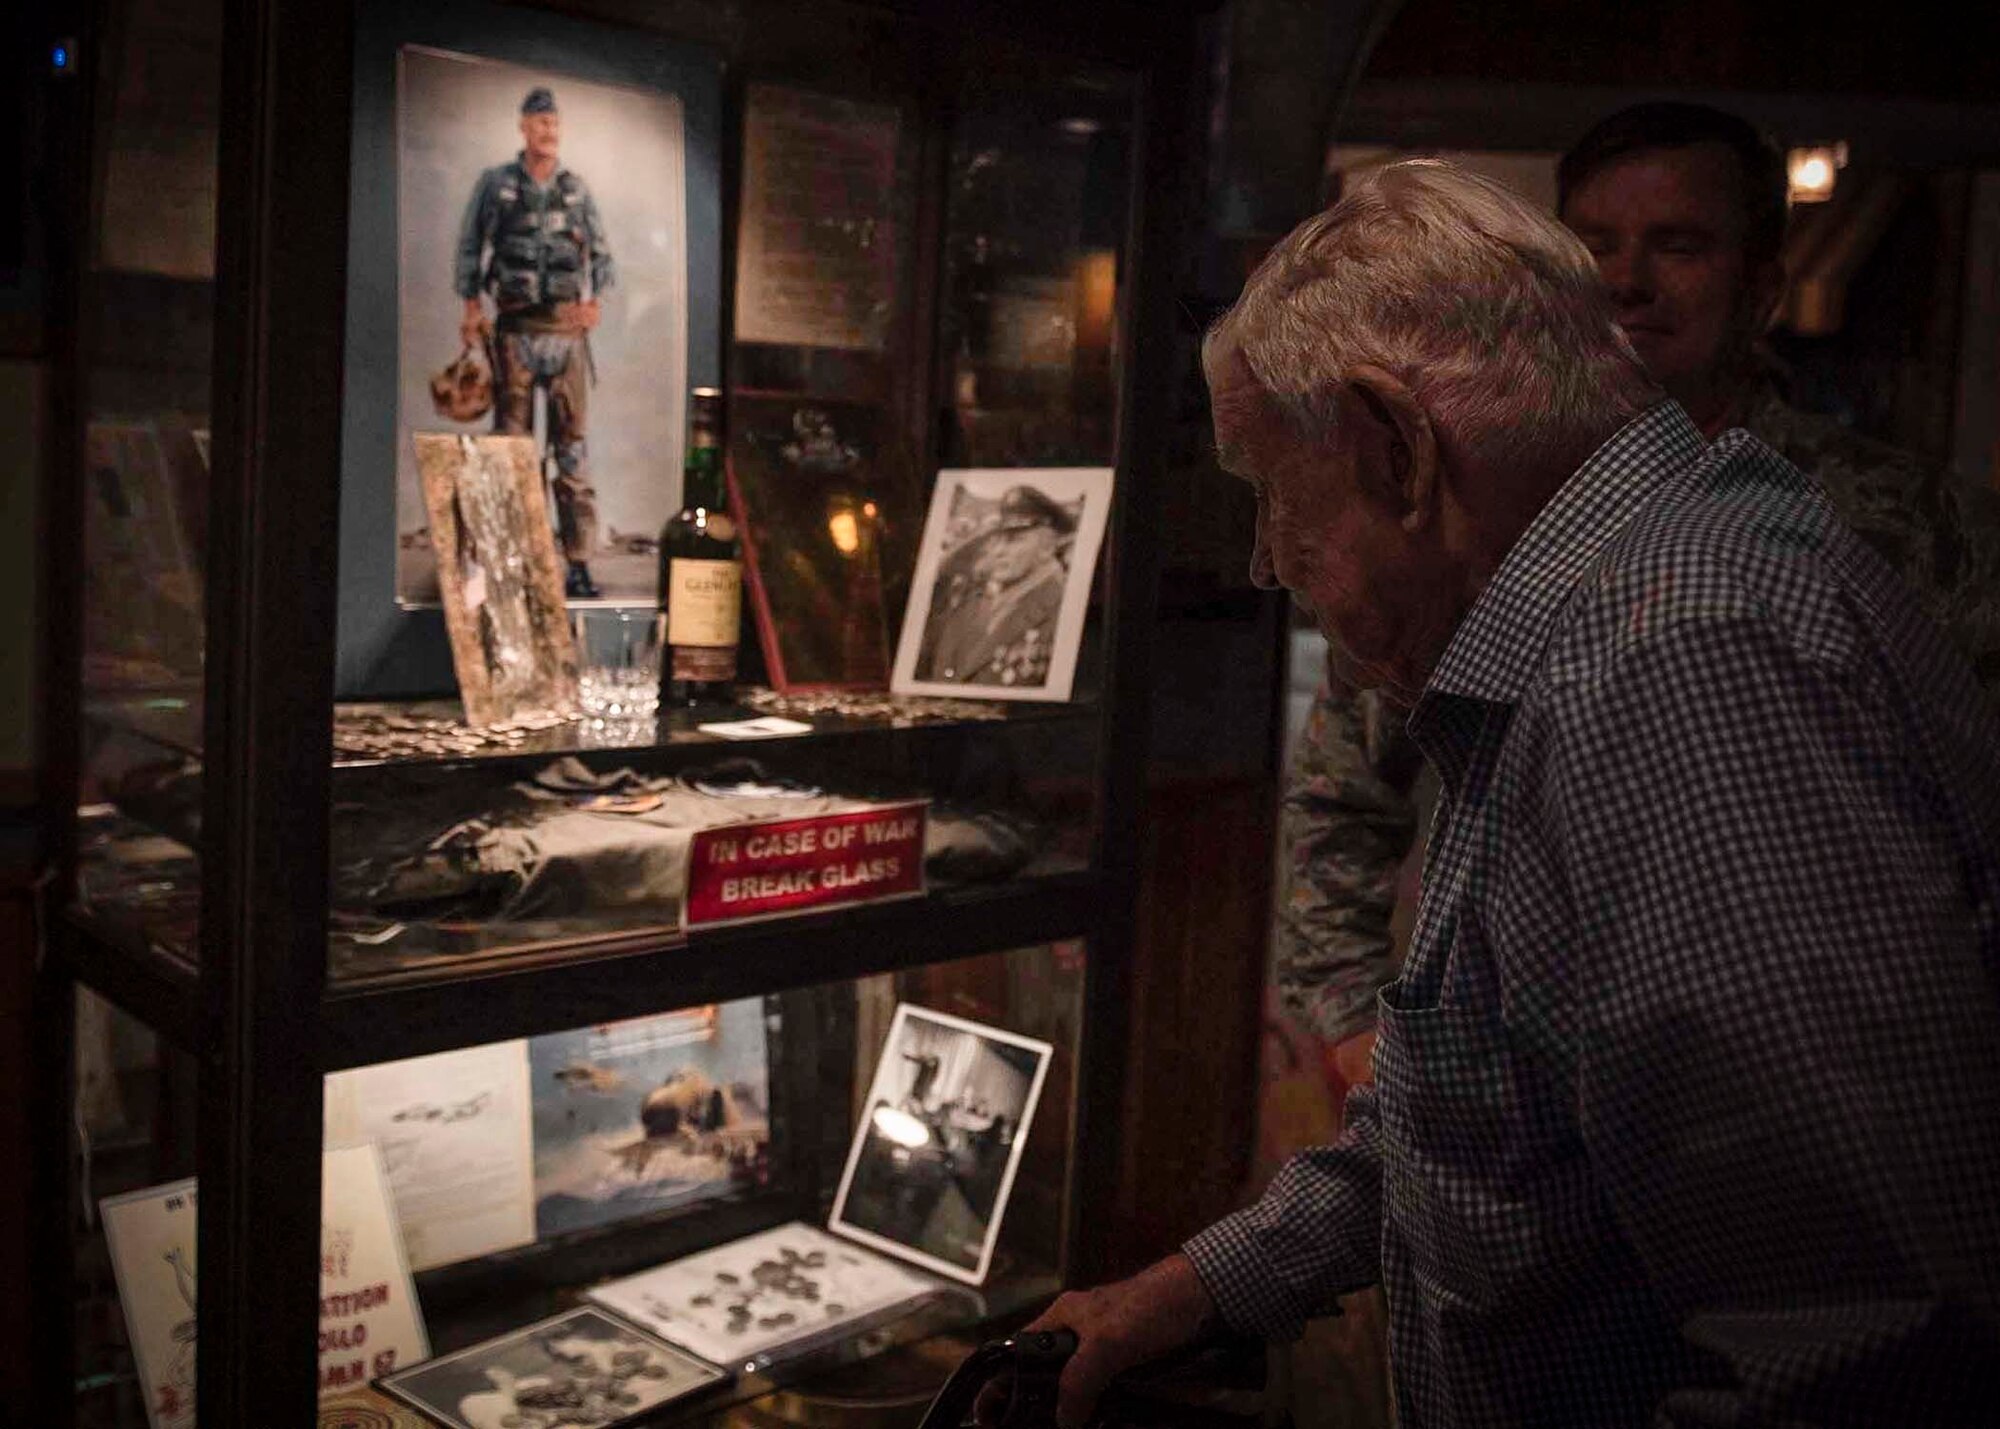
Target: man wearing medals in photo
x=993, y=614
x=533, y=238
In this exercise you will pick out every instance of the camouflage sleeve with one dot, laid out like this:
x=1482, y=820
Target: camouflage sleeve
x=1964, y=568
x=1348, y=819
x=1938, y=531
x=603, y=272
x=468, y=259
x=1969, y=569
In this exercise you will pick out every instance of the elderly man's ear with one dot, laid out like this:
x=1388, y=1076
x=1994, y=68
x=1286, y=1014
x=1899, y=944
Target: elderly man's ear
x=1404, y=427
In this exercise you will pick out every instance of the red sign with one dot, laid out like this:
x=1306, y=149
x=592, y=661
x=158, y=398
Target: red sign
x=793, y=865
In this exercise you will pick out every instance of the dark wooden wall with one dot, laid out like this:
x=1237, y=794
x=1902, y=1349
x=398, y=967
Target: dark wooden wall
x=1190, y=1105
x=1776, y=46
x=17, y=965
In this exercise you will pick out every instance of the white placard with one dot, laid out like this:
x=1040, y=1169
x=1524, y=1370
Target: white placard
x=369, y=1320
x=152, y=1239
x=758, y=1298
x=763, y=727
x=1003, y=583
x=453, y=1131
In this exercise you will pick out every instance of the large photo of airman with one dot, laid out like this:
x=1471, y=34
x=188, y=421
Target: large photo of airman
x=542, y=233
x=1003, y=583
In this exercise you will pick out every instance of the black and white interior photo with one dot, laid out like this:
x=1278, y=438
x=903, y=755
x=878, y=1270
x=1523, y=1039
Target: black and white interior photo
x=934, y=1155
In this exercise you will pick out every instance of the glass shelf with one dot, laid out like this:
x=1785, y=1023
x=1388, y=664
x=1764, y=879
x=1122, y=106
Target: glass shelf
x=365, y=947
x=571, y=842
x=137, y=887
x=131, y=933
x=377, y=734
x=901, y=1361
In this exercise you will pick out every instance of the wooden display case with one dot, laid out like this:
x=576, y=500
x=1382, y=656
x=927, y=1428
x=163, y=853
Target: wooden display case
x=1008, y=304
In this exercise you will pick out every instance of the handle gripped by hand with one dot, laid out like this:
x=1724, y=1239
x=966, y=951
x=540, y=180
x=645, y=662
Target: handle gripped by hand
x=1123, y=1325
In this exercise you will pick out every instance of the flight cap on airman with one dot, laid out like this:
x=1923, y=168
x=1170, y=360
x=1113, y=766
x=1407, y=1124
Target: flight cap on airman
x=540, y=100
x=1026, y=506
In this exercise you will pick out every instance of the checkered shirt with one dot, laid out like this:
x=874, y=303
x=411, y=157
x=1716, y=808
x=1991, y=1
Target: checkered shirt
x=1687, y=1103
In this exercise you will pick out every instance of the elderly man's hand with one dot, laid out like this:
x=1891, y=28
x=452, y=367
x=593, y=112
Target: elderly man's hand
x=1119, y=1327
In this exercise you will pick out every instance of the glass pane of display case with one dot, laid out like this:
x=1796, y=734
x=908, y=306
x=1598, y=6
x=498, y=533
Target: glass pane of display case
x=133, y=1226
x=1034, y=262
x=781, y=1186
x=147, y=331
x=916, y=447
x=913, y=710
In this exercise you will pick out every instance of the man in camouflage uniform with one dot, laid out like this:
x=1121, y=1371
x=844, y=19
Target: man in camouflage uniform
x=1684, y=209
x=993, y=613
x=532, y=237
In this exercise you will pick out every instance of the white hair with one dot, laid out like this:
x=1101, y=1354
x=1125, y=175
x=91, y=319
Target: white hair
x=1491, y=312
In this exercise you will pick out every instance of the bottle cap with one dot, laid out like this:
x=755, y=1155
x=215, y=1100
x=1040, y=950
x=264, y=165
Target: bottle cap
x=705, y=408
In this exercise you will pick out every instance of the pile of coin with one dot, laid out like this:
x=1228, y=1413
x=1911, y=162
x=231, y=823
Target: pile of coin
x=898, y=711
x=404, y=732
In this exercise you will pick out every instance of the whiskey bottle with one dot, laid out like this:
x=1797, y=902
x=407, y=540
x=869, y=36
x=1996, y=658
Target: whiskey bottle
x=701, y=571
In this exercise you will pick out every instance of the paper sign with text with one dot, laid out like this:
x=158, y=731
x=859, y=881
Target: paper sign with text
x=152, y=1241
x=778, y=866
x=369, y=1318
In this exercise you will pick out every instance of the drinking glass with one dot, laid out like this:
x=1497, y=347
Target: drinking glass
x=618, y=663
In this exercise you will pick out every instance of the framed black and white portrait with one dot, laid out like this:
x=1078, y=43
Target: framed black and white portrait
x=534, y=249
x=1002, y=584
x=940, y=1140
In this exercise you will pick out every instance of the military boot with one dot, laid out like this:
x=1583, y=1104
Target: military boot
x=578, y=585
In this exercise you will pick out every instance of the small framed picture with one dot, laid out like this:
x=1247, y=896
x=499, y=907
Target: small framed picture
x=585, y=1367
x=941, y=1137
x=1003, y=582
x=821, y=512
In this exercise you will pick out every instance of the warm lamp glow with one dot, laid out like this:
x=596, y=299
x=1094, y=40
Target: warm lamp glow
x=1811, y=173
x=900, y=1127
x=846, y=532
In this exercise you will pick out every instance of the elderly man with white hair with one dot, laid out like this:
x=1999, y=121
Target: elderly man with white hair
x=1687, y=1102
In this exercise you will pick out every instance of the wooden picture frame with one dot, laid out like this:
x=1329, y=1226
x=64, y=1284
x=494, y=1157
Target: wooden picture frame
x=497, y=574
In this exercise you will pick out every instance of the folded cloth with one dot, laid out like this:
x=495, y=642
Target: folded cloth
x=572, y=841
